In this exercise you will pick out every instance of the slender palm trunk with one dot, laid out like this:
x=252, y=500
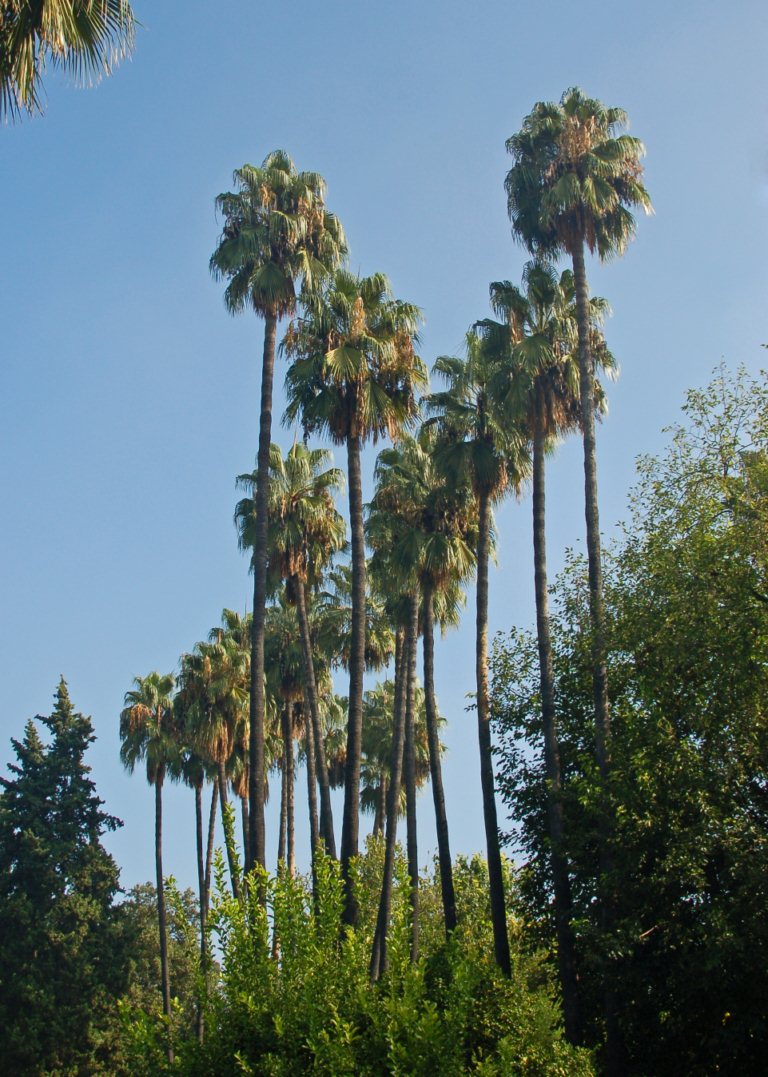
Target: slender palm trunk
x=614, y=1039
x=594, y=554
x=209, y=849
x=283, y=812
x=562, y=885
x=311, y=699
x=200, y=1020
x=495, y=873
x=381, y=801
x=312, y=802
x=435, y=767
x=379, y=955
x=161, y=917
x=409, y=772
x=244, y=823
x=257, y=792
x=228, y=832
x=351, y=820
x=290, y=822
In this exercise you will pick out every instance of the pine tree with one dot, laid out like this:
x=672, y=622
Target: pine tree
x=62, y=963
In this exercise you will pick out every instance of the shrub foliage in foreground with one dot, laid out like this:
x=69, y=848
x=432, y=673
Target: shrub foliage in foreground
x=294, y=998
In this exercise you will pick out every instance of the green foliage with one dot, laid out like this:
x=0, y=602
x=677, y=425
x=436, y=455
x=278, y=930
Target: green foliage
x=63, y=961
x=142, y=1032
x=295, y=997
x=687, y=623
x=83, y=38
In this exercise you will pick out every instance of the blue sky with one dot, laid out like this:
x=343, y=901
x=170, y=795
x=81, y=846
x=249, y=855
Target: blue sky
x=130, y=396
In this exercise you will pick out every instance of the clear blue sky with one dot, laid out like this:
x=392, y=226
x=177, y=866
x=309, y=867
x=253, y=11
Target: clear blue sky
x=130, y=397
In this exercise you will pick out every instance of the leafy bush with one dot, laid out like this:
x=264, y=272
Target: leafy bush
x=295, y=997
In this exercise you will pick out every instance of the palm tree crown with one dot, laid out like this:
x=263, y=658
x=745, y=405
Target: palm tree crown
x=148, y=731
x=355, y=373
x=305, y=529
x=276, y=232
x=84, y=38
x=575, y=178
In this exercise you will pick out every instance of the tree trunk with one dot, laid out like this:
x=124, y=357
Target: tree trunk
x=312, y=802
x=409, y=772
x=379, y=961
x=283, y=812
x=257, y=792
x=435, y=767
x=200, y=1020
x=290, y=823
x=562, y=887
x=311, y=699
x=228, y=833
x=351, y=820
x=209, y=850
x=594, y=554
x=381, y=800
x=161, y=918
x=244, y=823
x=614, y=1039
x=495, y=873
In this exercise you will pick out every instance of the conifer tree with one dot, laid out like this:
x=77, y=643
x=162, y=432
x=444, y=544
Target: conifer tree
x=61, y=963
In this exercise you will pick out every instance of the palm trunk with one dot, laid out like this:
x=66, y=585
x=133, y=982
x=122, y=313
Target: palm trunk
x=435, y=767
x=409, y=769
x=283, y=813
x=257, y=793
x=495, y=873
x=161, y=917
x=244, y=824
x=290, y=823
x=351, y=820
x=379, y=961
x=312, y=803
x=562, y=885
x=381, y=800
x=594, y=556
x=228, y=834
x=200, y=1020
x=614, y=1039
x=311, y=698
x=209, y=850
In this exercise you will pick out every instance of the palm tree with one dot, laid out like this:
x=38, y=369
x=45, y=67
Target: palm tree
x=213, y=686
x=148, y=732
x=419, y=523
x=277, y=233
x=285, y=682
x=85, y=38
x=537, y=340
x=194, y=770
x=305, y=530
x=354, y=376
x=482, y=448
x=574, y=184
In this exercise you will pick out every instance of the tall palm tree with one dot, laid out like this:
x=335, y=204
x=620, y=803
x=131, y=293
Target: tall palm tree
x=149, y=733
x=354, y=376
x=285, y=682
x=573, y=185
x=305, y=530
x=277, y=237
x=420, y=523
x=194, y=770
x=537, y=340
x=213, y=686
x=481, y=447
x=84, y=38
